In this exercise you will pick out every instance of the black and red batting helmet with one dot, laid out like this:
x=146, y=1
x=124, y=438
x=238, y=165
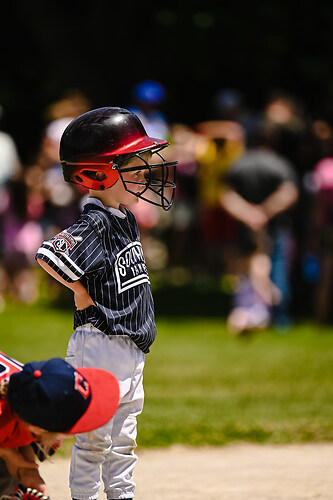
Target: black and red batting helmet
x=96, y=147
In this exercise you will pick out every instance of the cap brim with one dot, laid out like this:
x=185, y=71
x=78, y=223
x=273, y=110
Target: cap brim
x=104, y=400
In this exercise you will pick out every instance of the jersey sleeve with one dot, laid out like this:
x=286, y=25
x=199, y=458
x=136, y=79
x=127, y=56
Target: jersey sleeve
x=12, y=432
x=74, y=252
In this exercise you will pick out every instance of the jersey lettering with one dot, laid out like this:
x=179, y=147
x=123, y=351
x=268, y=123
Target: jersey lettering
x=130, y=267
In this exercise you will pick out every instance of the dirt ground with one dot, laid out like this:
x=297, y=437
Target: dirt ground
x=236, y=472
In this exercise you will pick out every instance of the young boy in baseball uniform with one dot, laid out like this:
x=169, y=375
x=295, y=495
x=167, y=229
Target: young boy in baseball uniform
x=40, y=403
x=100, y=259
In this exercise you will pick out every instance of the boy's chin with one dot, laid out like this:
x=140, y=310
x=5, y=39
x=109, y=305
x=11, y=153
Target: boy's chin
x=133, y=200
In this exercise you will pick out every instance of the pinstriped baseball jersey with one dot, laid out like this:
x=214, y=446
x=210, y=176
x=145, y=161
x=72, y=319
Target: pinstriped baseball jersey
x=102, y=249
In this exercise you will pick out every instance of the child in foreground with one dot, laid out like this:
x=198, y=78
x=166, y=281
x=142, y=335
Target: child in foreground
x=41, y=403
x=100, y=259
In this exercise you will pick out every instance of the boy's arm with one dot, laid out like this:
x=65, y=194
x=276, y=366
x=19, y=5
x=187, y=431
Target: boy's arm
x=82, y=298
x=21, y=465
x=15, y=461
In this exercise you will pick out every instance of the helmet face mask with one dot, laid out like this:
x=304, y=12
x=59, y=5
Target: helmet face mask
x=96, y=148
x=160, y=179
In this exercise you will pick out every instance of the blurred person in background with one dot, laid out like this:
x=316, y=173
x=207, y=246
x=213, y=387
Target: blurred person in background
x=10, y=162
x=54, y=201
x=18, y=234
x=148, y=98
x=56, y=204
x=182, y=236
x=62, y=203
x=48, y=199
x=223, y=144
x=49, y=202
x=255, y=297
x=229, y=104
x=302, y=136
x=72, y=102
x=318, y=260
x=287, y=117
x=260, y=189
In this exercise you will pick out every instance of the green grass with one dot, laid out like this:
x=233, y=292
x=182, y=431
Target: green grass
x=35, y=333
x=204, y=386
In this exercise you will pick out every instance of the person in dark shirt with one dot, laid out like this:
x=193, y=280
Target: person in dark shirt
x=261, y=187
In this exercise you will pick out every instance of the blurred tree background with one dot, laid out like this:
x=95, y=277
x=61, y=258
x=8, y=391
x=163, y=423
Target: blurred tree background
x=103, y=48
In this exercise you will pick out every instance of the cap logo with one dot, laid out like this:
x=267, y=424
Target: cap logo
x=81, y=385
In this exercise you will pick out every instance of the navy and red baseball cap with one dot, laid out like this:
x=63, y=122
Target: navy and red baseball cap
x=55, y=396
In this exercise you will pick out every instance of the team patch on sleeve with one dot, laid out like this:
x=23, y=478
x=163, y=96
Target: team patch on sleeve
x=63, y=242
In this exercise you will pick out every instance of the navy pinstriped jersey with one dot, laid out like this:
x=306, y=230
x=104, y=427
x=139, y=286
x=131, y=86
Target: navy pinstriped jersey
x=102, y=249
